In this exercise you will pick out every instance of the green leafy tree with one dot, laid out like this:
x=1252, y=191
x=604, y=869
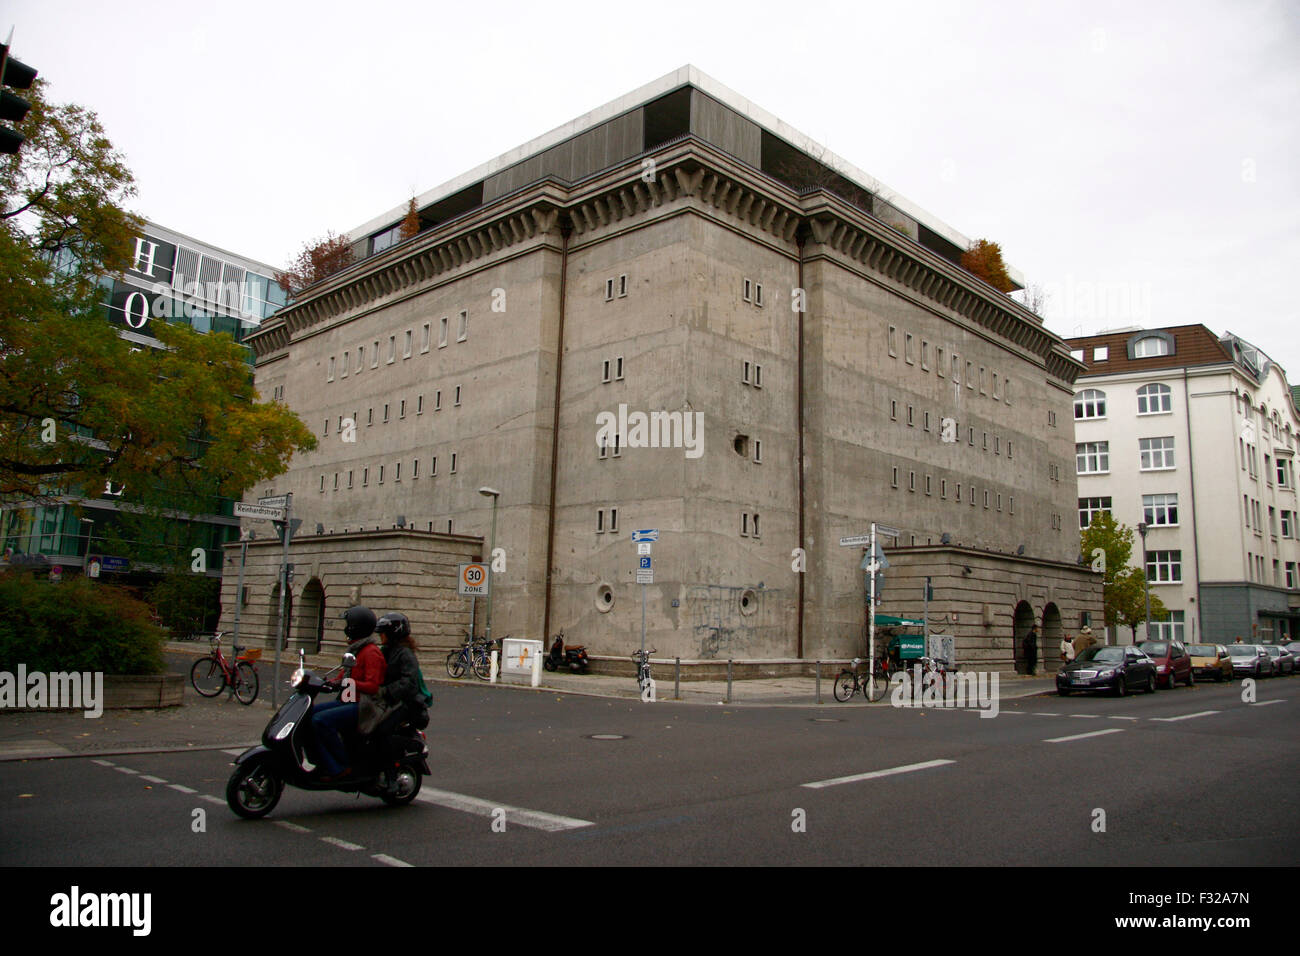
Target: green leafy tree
x=185, y=602
x=79, y=405
x=1124, y=585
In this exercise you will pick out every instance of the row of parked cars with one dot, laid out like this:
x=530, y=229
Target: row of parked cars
x=1120, y=668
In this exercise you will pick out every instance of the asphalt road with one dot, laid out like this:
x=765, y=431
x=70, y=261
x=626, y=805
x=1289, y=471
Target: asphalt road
x=1188, y=777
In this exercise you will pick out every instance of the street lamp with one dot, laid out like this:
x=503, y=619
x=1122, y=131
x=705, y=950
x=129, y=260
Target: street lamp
x=1146, y=581
x=492, y=546
x=89, y=534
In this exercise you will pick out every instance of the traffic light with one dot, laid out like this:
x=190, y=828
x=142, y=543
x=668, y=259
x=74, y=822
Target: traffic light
x=13, y=108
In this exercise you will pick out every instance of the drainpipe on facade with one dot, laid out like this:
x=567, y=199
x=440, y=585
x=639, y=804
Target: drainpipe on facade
x=566, y=230
x=800, y=238
x=1191, y=470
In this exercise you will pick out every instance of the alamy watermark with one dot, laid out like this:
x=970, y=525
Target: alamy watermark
x=651, y=430
x=927, y=688
x=59, y=690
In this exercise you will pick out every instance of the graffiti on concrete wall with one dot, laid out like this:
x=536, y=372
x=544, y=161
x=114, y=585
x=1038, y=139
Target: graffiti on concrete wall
x=727, y=621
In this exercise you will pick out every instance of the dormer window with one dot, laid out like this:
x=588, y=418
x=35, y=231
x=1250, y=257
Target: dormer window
x=1150, y=345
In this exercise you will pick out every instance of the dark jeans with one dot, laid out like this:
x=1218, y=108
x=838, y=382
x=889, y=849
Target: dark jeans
x=329, y=720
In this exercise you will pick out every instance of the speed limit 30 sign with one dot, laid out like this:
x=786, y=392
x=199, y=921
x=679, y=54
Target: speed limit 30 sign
x=473, y=579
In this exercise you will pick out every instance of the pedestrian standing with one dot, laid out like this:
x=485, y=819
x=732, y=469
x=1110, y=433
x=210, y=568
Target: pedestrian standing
x=1031, y=651
x=1067, y=649
x=1084, y=641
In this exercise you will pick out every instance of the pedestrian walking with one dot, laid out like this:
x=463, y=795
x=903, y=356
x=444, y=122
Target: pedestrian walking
x=1084, y=641
x=1031, y=651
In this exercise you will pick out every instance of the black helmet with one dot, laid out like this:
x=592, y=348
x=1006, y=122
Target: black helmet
x=359, y=622
x=395, y=625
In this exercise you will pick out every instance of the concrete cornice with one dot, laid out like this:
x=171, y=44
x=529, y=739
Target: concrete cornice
x=688, y=173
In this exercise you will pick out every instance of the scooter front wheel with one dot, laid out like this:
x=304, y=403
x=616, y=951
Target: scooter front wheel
x=254, y=789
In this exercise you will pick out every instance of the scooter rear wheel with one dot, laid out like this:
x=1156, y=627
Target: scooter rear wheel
x=254, y=790
x=408, y=785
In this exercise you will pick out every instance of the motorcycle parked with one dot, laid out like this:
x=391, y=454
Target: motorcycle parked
x=391, y=766
x=573, y=657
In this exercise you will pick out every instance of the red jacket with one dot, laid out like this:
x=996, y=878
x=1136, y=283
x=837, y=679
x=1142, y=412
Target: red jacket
x=369, y=669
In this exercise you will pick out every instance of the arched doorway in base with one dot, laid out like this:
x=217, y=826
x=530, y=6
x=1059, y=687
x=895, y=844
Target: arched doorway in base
x=310, y=631
x=1023, y=620
x=1049, y=645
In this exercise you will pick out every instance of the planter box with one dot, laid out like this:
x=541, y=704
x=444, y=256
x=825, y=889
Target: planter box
x=123, y=692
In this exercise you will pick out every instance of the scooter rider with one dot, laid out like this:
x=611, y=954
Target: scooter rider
x=330, y=719
x=400, y=693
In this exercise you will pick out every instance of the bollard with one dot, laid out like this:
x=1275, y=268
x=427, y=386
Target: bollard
x=819, y=682
x=677, y=679
x=728, y=680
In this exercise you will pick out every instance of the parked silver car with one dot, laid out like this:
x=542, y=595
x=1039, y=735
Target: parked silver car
x=1283, y=658
x=1251, y=660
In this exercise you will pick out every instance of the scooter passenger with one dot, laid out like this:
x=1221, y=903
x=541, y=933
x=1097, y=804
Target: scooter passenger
x=399, y=698
x=331, y=719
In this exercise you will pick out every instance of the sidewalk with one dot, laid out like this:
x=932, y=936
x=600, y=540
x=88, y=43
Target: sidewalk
x=222, y=723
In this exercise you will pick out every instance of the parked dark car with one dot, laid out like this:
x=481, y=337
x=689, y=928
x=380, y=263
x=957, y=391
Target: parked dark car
x=1110, y=667
x=1210, y=662
x=1282, y=658
x=1172, y=662
x=1250, y=660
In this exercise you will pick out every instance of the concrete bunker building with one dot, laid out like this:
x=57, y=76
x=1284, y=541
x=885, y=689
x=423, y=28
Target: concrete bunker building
x=679, y=251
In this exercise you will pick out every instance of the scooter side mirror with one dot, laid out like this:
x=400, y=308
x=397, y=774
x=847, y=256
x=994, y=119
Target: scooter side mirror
x=349, y=659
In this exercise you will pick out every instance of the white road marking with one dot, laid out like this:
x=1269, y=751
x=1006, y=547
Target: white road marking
x=1203, y=713
x=212, y=799
x=125, y=770
x=1091, y=733
x=1112, y=717
x=1087, y=716
x=1043, y=713
x=178, y=787
x=103, y=763
x=835, y=781
x=529, y=818
x=145, y=776
x=1265, y=703
x=342, y=844
x=291, y=827
x=389, y=860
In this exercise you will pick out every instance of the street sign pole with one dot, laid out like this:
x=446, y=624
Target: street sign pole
x=284, y=587
x=871, y=608
x=239, y=591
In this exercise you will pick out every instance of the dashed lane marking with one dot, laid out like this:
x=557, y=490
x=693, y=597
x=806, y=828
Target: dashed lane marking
x=291, y=827
x=103, y=763
x=211, y=799
x=151, y=779
x=1202, y=713
x=341, y=844
x=536, y=819
x=125, y=770
x=1265, y=703
x=854, y=778
x=1086, y=716
x=180, y=789
x=389, y=860
x=1091, y=733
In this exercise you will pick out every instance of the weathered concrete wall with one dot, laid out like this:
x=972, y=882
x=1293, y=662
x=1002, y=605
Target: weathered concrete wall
x=408, y=571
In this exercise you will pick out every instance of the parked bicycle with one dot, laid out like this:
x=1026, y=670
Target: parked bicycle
x=212, y=674
x=475, y=654
x=642, y=661
x=873, y=683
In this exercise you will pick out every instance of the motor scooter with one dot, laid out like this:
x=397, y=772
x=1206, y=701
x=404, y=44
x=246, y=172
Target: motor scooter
x=389, y=766
x=573, y=657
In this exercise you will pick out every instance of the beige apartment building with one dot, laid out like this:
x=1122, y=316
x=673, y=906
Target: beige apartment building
x=677, y=313
x=1195, y=435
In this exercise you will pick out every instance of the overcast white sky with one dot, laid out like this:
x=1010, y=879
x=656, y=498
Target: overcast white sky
x=1138, y=160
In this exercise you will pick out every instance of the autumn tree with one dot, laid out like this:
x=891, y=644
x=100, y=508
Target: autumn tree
x=411, y=224
x=317, y=260
x=79, y=405
x=984, y=259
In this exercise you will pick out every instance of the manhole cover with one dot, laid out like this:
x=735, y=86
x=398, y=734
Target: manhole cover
x=826, y=720
x=606, y=737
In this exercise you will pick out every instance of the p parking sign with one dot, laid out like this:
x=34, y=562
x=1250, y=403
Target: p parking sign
x=473, y=579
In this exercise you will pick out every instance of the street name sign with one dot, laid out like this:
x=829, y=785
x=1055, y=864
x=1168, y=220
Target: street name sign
x=259, y=512
x=276, y=501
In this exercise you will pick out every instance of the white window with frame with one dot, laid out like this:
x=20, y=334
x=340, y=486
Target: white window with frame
x=956, y=369
x=1101, y=353
x=622, y=286
x=938, y=360
x=433, y=467
x=1170, y=629
x=1154, y=399
x=365, y=477
x=604, y=373
x=1165, y=567
x=602, y=450
x=401, y=409
x=609, y=289
x=758, y=376
x=347, y=362
x=453, y=463
x=758, y=298
x=1291, y=575
x=758, y=451
x=1160, y=510
x=442, y=332
x=747, y=291
x=374, y=351
x=426, y=336
x=349, y=478
x=1156, y=454
x=600, y=518
x=1284, y=472
x=925, y=355
x=891, y=341
x=753, y=525
x=618, y=369
x=330, y=377
x=1076, y=354
x=1090, y=403
x=419, y=405
x=1092, y=458
x=415, y=468
x=907, y=348
x=437, y=399
x=462, y=331
x=1287, y=524
x=1150, y=347
x=744, y=524
x=406, y=345
x=381, y=474
x=1091, y=507
x=744, y=377
x=397, y=471
x=457, y=402
x=613, y=521
x=618, y=444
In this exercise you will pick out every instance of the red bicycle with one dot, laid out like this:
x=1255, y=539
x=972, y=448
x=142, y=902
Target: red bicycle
x=212, y=674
